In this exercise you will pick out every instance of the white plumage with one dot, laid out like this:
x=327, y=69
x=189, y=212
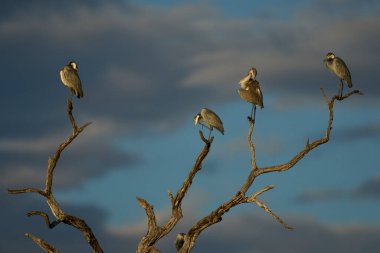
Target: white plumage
x=70, y=78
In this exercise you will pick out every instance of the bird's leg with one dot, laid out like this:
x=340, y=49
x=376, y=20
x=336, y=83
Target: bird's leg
x=253, y=111
x=209, y=128
x=203, y=125
x=209, y=134
x=340, y=89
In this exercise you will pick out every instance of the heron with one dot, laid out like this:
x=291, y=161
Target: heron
x=70, y=78
x=250, y=76
x=179, y=240
x=209, y=119
x=337, y=66
x=250, y=91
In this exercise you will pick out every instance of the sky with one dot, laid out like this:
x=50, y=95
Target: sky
x=147, y=68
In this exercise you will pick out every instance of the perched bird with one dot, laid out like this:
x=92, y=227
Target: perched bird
x=70, y=78
x=250, y=76
x=250, y=91
x=209, y=119
x=339, y=68
x=179, y=240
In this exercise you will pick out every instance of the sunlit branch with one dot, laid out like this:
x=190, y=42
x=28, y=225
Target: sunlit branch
x=45, y=246
x=240, y=198
x=154, y=232
x=59, y=214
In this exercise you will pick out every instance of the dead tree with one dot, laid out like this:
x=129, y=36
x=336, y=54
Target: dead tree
x=184, y=241
x=47, y=193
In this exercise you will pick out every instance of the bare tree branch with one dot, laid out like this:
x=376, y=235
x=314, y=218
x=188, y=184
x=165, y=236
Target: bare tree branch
x=56, y=210
x=45, y=217
x=154, y=232
x=314, y=144
x=256, y=194
x=26, y=190
x=45, y=246
x=239, y=198
x=277, y=218
x=52, y=162
x=152, y=222
x=253, y=199
x=252, y=174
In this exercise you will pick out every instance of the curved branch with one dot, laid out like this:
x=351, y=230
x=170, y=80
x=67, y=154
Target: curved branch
x=314, y=144
x=155, y=232
x=45, y=217
x=152, y=221
x=256, y=194
x=56, y=210
x=252, y=174
x=85, y=230
x=239, y=198
x=52, y=162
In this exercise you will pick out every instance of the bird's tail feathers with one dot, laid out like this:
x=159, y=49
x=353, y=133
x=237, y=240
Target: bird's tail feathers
x=79, y=94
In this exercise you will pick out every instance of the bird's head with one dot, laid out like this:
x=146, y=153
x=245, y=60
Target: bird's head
x=330, y=56
x=73, y=64
x=252, y=73
x=197, y=118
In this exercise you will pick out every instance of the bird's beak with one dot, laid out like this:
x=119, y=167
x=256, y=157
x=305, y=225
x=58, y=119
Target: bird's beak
x=196, y=119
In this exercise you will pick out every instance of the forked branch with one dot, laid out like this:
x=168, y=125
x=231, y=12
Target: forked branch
x=47, y=193
x=240, y=197
x=155, y=232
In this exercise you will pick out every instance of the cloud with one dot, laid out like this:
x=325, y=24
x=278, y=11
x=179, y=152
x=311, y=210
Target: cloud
x=147, y=69
x=256, y=235
x=238, y=231
x=63, y=237
x=364, y=131
x=144, y=65
x=369, y=189
x=254, y=232
x=24, y=161
x=320, y=195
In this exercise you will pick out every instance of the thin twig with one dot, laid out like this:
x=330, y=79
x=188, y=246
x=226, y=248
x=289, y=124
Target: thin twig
x=253, y=199
x=26, y=190
x=267, y=188
x=45, y=217
x=267, y=210
x=45, y=246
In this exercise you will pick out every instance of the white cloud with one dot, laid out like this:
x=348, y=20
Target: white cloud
x=32, y=145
